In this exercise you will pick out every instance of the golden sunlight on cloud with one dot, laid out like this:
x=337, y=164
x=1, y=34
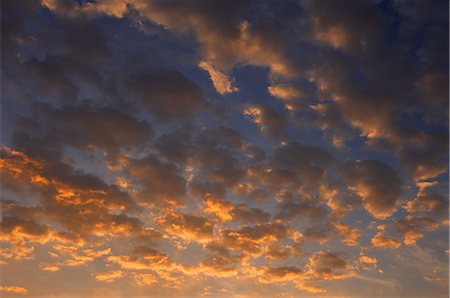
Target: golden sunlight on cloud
x=14, y=290
x=224, y=148
x=284, y=92
x=109, y=276
x=350, y=235
x=220, y=81
x=189, y=227
x=219, y=208
x=144, y=279
x=382, y=241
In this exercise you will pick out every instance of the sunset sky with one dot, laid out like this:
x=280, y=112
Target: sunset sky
x=224, y=148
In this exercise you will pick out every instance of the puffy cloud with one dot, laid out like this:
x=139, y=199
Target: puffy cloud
x=144, y=279
x=16, y=228
x=329, y=266
x=157, y=92
x=218, y=167
x=376, y=183
x=276, y=252
x=411, y=228
x=382, y=241
x=350, y=234
x=161, y=181
x=270, y=121
x=311, y=210
x=225, y=211
x=428, y=200
x=338, y=27
x=221, y=209
x=320, y=233
x=251, y=239
x=116, y=149
x=244, y=214
x=219, y=262
x=367, y=260
x=189, y=227
x=426, y=161
x=150, y=260
x=294, y=166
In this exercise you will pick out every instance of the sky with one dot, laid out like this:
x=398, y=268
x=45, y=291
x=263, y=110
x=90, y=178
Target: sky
x=224, y=148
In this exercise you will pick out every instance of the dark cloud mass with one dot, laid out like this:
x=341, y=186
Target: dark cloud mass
x=224, y=148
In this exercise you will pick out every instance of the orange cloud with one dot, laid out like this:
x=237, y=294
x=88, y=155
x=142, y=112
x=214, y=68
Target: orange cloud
x=218, y=207
x=144, y=279
x=220, y=81
x=189, y=227
x=412, y=228
x=367, y=259
x=14, y=290
x=251, y=239
x=350, y=235
x=109, y=277
x=285, y=92
x=329, y=266
x=382, y=241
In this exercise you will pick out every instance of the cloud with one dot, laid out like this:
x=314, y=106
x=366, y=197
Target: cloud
x=144, y=279
x=14, y=290
x=156, y=92
x=244, y=214
x=221, y=209
x=109, y=277
x=376, y=183
x=276, y=252
x=294, y=165
x=161, y=181
x=270, y=121
x=350, y=234
x=428, y=200
x=220, y=81
x=219, y=262
x=152, y=260
x=284, y=92
x=329, y=266
x=189, y=227
x=251, y=239
x=116, y=157
x=367, y=260
x=382, y=241
x=16, y=228
x=411, y=228
x=311, y=210
x=320, y=233
x=281, y=274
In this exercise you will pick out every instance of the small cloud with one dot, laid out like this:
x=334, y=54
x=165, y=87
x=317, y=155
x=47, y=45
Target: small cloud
x=220, y=81
x=382, y=241
x=14, y=289
x=109, y=276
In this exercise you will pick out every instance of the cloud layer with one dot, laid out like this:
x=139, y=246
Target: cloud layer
x=224, y=148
